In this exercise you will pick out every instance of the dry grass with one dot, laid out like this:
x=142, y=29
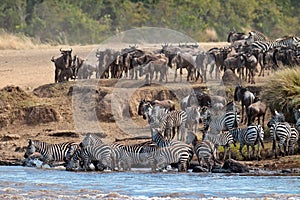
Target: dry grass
x=18, y=41
x=282, y=91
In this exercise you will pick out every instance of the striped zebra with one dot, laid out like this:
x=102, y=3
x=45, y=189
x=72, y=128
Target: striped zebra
x=224, y=139
x=155, y=114
x=207, y=151
x=51, y=152
x=136, y=154
x=89, y=139
x=249, y=136
x=219, y=122
x=193, y=118
x=265, y=46
x=294, y=140
x=280, y=131
x=173, y=123
x=180, y=148
x=101, y=153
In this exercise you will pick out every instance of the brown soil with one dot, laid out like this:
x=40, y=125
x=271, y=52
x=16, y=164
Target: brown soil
x=31, y=106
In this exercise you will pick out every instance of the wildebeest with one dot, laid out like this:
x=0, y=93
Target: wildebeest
x=250, y=64
x=257, y=109
x=185, y=60
x=243, y=95
x=63, y=66
x=203, y=60
x=77, y=63
x=153, y=63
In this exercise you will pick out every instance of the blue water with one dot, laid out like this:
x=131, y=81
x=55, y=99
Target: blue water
x=30, y=183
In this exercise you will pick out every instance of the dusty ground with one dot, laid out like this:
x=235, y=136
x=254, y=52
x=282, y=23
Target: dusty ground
x=32, y=69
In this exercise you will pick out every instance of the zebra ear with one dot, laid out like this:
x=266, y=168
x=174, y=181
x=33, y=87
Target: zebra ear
x=276, y=113
x=29, y=141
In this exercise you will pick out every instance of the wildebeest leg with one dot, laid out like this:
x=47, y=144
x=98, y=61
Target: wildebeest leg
x=175, y=76
x=57, y=73
x=180, y=72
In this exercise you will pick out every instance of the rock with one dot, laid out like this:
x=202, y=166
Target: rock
x=41, y=114
x=199, y=169
x=235, y=166
x=220, y=170
x=286, y=171
x=230, y=78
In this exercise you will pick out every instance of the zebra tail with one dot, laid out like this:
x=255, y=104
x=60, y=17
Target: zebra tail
x=260, y=140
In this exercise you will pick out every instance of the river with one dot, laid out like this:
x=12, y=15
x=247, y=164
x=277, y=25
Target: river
x=32, y=183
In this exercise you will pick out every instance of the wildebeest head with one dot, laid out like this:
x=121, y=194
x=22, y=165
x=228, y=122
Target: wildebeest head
x=239, y=92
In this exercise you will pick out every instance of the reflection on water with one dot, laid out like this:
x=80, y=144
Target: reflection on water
x=30, y=183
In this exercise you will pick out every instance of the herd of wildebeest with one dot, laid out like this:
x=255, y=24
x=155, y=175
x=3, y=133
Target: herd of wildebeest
x=175, y=131
x=243, y=56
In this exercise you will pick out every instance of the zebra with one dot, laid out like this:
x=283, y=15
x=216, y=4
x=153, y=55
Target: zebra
x=280, y=131
x=174, y=123
x=51, y=152
x=184, y=149
x=224, y=139
x=250, y=136
x=89, y=139
x=265, y=46
x=164, y=119
x=205, y=150
x=219, y=122
x=294, y=139
x=102, y=153
x=193, y=118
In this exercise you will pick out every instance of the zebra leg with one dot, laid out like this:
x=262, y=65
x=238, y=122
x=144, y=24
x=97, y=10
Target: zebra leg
x=225, y=153
x=274, y=146
x=241, y=152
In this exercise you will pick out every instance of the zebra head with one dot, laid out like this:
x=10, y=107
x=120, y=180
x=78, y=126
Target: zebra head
x=74, y=159
x=147, y=110
x=71, y=149
x=30, y=149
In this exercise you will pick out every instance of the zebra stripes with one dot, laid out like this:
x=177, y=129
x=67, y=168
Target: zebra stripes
x=280, y=131
x=219, y=122
x=102, y=153
x=205, y=150
x=249, y=136
x=294, y=139
x=170, y=122
x=51, y=152
x=182, y=150
x=221, y=139
x=281, y=42
x=174, y=123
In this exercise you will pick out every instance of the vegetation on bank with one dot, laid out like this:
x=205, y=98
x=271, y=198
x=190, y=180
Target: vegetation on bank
x=281, y=91
x=92, y=21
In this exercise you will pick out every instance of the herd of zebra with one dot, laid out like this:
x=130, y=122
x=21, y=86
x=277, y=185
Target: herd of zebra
x=176, y=138
x=243, y=56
